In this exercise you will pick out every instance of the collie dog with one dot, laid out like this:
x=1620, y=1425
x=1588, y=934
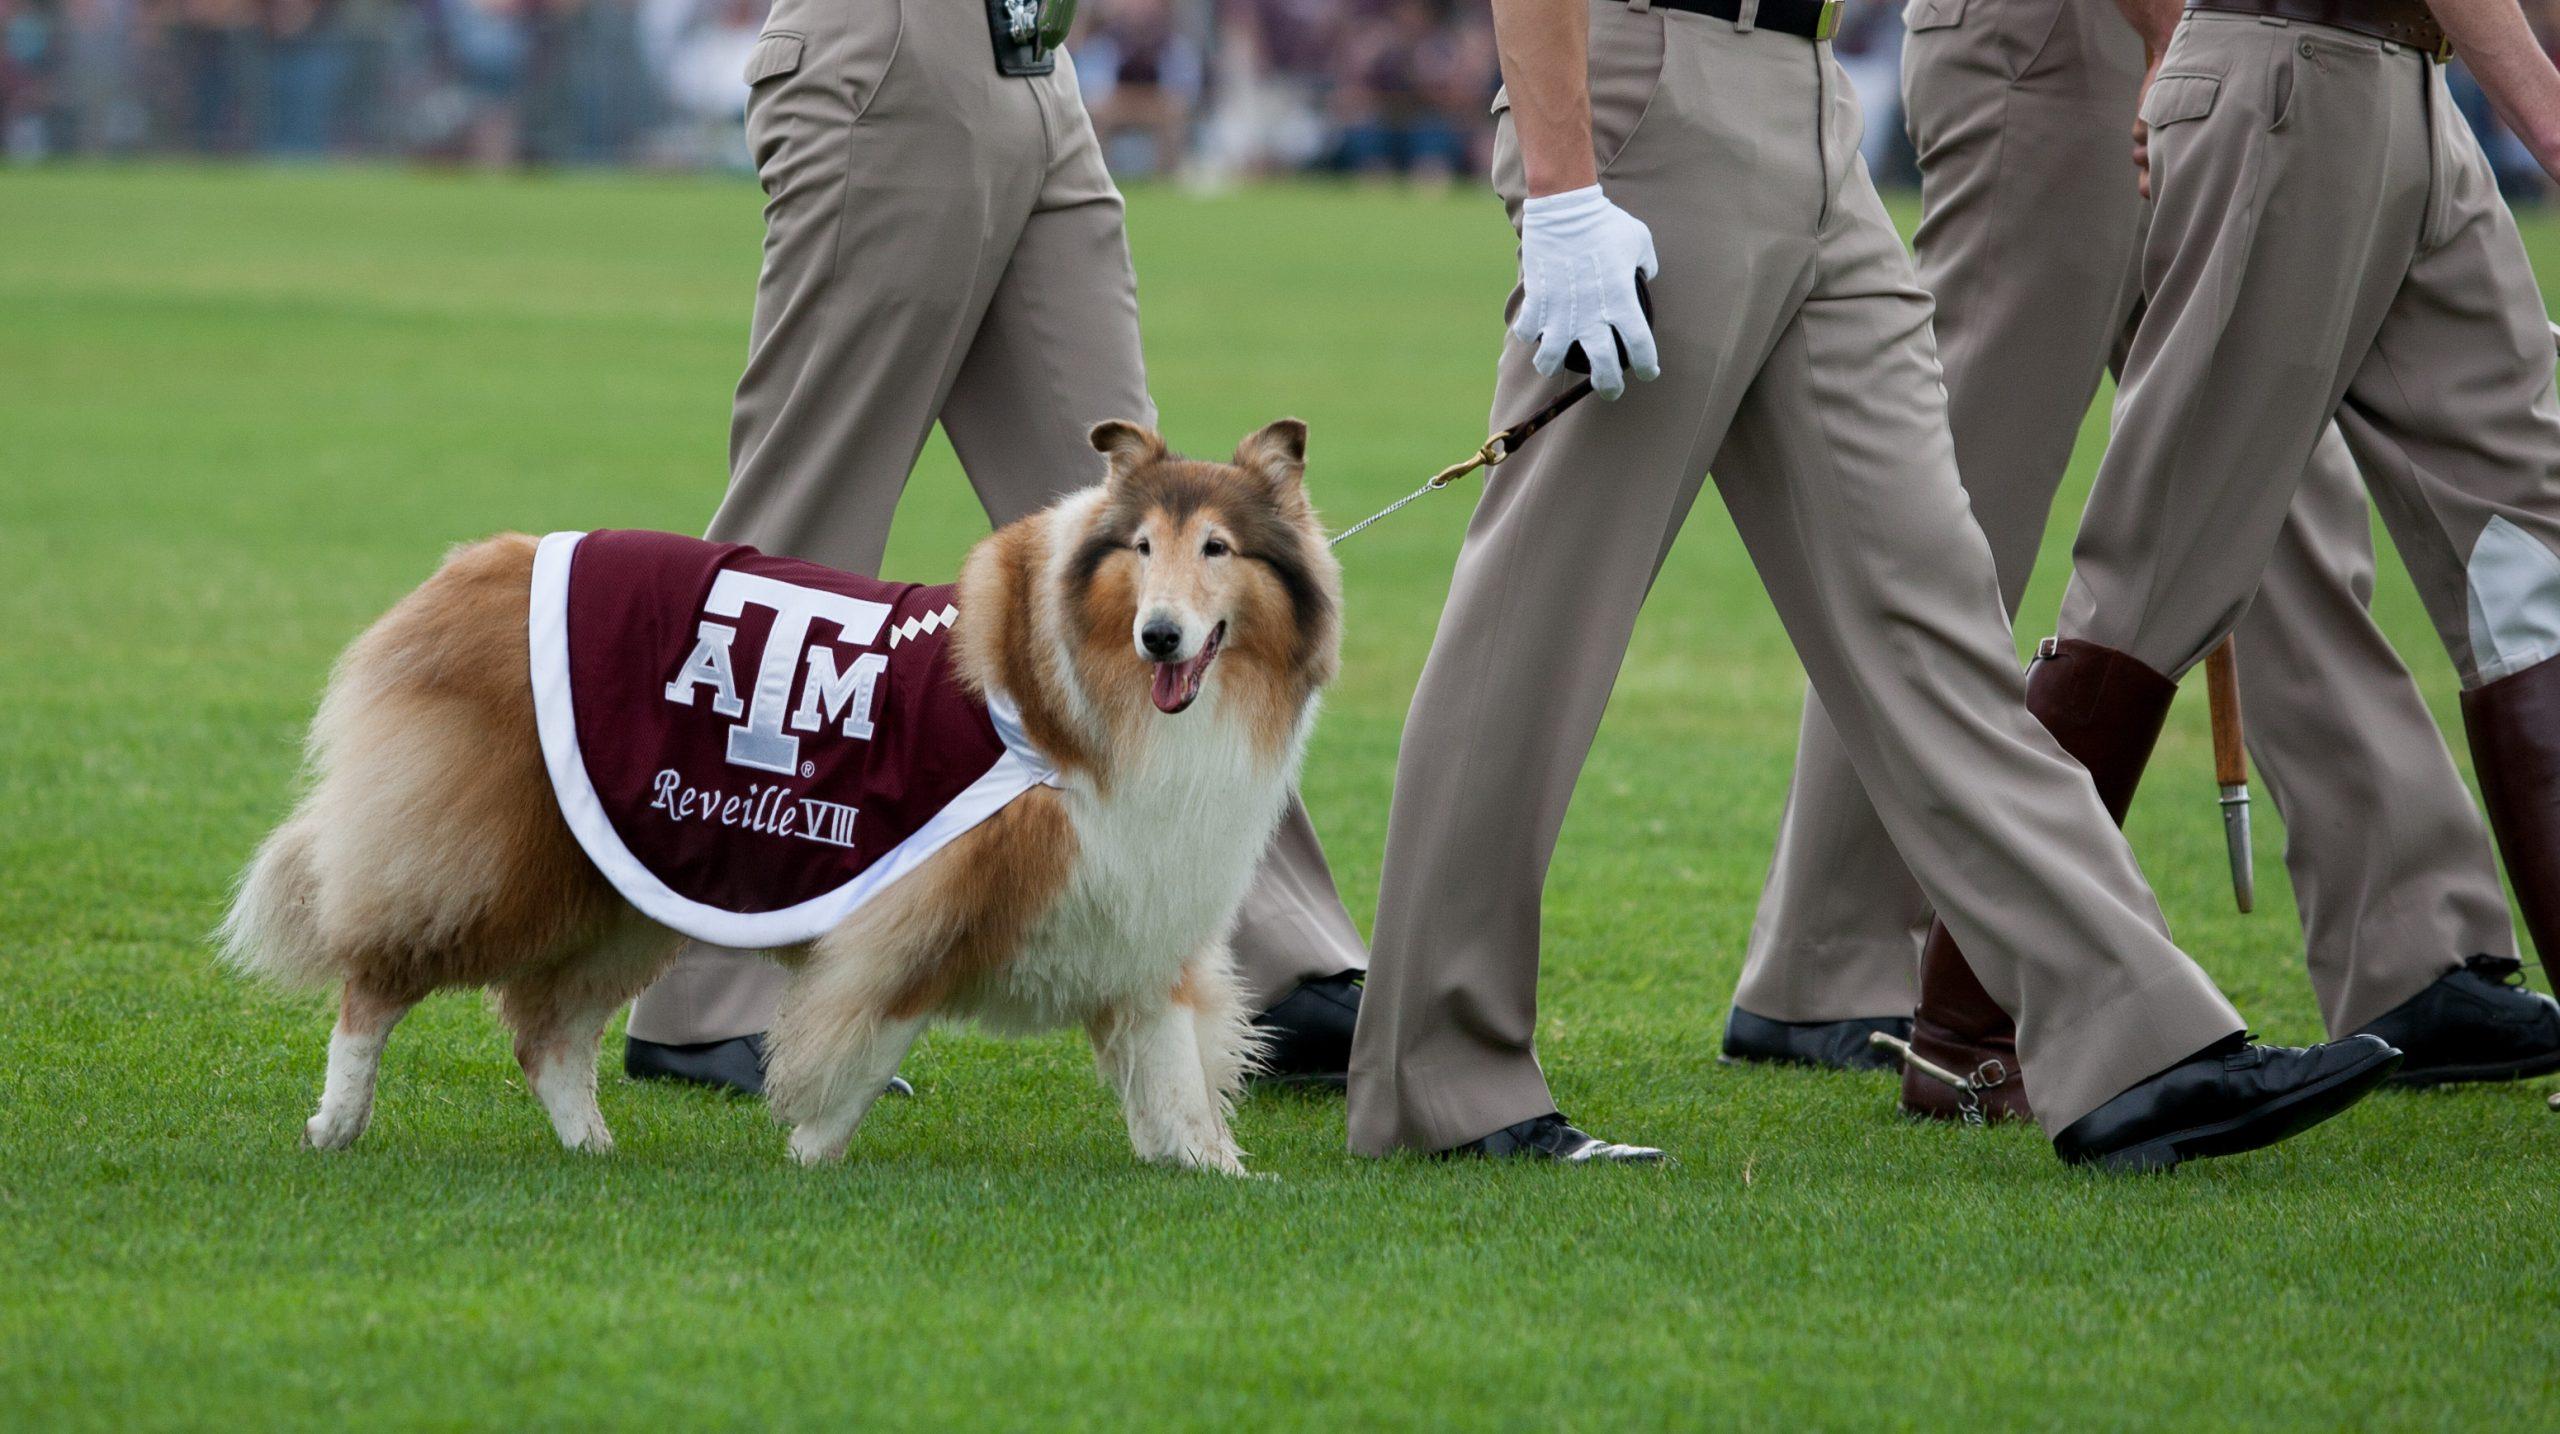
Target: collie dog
x=1156, y=645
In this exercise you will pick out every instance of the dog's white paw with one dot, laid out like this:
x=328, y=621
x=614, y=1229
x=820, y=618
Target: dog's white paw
x=595, y=1140
x=811, y=1148
x=1216, y=1160
x=332, y=1130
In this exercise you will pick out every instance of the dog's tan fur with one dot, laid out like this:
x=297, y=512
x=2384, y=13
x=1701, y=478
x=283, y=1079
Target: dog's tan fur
x=429, y=851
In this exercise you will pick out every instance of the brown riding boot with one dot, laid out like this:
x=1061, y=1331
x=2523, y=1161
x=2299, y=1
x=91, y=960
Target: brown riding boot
x=2514, y=726
x=1961, y=1029
x=2105, y=709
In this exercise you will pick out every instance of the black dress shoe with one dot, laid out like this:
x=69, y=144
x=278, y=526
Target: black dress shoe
x=2478, y=1023
x=734, y=1064
x=1309, y=1033
x=2234, y=1096
x=1552, y=1137
x=1827, y=1045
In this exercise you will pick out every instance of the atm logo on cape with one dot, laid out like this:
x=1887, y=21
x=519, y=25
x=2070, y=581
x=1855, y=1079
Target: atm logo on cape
x=766, y=728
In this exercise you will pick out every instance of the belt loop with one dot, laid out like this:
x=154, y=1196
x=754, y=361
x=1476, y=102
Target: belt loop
x=1748, y=19
x=1639, y=6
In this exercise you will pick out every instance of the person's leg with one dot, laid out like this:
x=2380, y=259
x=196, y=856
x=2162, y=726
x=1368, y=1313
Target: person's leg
x=887, y=227
x=2170, y=549
x=1548, y=586
x=2028, y=224
x=1836, y=938
x=2453, y=418
x=2270, y=261
x=1056, y=353
x=2289, y=175
x=1838, y=470
x=2390, y=859
x=1841, y=477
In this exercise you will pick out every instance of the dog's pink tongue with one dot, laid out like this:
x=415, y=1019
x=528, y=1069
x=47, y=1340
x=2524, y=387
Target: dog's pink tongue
x=1173, y=683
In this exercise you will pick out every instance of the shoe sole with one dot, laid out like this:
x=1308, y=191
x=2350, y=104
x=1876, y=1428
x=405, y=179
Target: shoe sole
x=1729, y=1058
x=697, y=1082
x=1320, y=1080
x=2422, y=1078
x=897, y=1086
x=1636, y=1155
x=2285, y=1116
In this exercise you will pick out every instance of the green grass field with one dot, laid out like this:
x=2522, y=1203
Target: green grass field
x=240, y=413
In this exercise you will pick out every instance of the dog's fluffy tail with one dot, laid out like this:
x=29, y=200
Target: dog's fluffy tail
x=273, y=929
x=426, y=838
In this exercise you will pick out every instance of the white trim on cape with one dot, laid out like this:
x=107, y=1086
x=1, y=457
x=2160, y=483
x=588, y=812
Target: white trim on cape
x=547, y=634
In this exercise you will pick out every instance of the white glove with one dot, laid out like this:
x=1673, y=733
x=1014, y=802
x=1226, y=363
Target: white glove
x=1579, y=255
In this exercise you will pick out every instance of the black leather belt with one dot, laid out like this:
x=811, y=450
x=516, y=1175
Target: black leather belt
x=1812, y=19
x=2407, y=22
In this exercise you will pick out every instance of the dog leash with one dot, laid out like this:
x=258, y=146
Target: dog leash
x=1497, y=448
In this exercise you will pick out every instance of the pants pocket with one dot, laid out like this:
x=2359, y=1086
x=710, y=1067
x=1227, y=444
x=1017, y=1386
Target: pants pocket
x=777, y=53
x=1626, y=73
x=1625, y=70
x=2176, y=99
x=812, y=75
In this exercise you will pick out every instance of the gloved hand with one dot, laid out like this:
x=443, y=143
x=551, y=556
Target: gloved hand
x=1579, y=255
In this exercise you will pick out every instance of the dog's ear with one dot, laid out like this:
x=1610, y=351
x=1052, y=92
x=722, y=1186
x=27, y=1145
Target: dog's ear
x=1128, y=446
x=1278, y=452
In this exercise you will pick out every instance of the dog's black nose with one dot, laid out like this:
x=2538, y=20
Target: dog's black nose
x=1160, y=638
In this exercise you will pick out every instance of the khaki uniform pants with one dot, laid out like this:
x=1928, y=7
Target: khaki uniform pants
x=2328, y=243
x=2029, y=241
x=1799, y=365
x=941, y=242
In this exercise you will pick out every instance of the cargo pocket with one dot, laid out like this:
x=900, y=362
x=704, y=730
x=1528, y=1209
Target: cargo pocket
x=776, y=53
x=1932, y=15
x=2175, y=99
x=775, y=58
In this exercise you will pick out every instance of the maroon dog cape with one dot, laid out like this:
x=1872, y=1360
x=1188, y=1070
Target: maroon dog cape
x=750, y=747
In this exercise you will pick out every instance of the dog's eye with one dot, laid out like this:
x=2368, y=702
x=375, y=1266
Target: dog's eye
x=1144, y=548
x=1214, y=548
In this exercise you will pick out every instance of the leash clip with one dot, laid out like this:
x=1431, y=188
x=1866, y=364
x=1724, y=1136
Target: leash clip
x=1495, y=449
x=1502, y=445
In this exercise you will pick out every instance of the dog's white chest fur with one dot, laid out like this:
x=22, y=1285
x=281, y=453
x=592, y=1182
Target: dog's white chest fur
x=1162, y=862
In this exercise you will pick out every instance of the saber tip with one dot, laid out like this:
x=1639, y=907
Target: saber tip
x=2235, y=834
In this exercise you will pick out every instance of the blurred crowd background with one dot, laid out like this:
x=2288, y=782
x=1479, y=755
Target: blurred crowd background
x=1208, y=91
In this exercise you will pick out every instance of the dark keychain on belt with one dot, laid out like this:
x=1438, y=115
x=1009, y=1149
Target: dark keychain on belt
x=1027, y=34
x=1510, y=440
